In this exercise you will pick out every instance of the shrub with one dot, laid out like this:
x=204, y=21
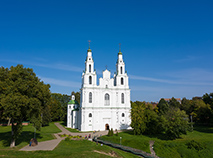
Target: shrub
x=195, y=145
x=111, y=132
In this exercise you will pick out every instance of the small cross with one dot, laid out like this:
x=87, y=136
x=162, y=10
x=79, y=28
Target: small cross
x=106, y=66
x=89, y=43
x=119, y=47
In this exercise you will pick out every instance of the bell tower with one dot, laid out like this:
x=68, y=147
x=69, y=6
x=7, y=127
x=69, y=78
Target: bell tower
x=121, y=78
x=89, y=75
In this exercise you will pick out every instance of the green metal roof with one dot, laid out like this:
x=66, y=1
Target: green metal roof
x=73, y=102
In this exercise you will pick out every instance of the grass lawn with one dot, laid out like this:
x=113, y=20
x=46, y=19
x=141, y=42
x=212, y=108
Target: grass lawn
x=170, y=148
x=46, y=133
x=72, y=129
x=74, y=149
x=71, y=148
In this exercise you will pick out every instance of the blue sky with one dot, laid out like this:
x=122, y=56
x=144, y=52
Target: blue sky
x=167, y=45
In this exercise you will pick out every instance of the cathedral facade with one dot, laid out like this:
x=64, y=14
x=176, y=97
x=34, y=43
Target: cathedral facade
x=106, y=105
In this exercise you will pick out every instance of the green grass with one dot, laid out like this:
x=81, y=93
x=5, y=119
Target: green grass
x=170, y=148
x=46, y=133
x=71, y=148
x=74, y=149
x=72, y=129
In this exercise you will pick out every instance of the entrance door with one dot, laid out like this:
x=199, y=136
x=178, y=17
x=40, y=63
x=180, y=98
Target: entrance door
x=107, y=126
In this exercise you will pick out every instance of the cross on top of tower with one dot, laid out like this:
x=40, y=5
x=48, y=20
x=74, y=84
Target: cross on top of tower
x=89, y=50
x=120, y=49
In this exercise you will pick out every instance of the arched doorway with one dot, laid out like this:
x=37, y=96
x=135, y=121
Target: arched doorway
x=107, y=126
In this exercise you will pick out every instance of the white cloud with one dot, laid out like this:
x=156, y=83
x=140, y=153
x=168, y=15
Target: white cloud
x=196, y=77
x=60, y=82
x=58, y=66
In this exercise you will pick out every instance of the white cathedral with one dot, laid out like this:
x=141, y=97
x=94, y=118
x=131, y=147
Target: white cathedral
x=102, y=106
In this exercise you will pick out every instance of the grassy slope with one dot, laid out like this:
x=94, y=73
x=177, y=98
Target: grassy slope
x=170, y=148
x=82, y=148
x=71, y=148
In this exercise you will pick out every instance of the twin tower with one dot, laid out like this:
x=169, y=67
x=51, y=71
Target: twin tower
x=106, y=105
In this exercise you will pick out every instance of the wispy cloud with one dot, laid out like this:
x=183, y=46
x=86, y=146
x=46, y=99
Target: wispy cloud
x=196, y=77
x=188, y=59
x=58, y=66
x=60, y=82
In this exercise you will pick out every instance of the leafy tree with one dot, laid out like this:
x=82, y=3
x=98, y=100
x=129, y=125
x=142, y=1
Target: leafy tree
x=137, y=117
x=174, y=103
x=187, y=106
x=176, y=123
x=22, y=97
x=144, y=119
x=59, y=106
x=163, y=106
x=201, y=112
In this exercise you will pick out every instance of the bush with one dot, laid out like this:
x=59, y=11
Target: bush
x=195, y=145
x=116, y=133
x=111, y=132
x=67, y=139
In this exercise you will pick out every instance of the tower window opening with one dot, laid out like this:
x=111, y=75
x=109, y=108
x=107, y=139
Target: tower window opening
x=89, y=68
x=90, y=79
x=121, y=70
x=122, y=81
x=122, y=98
x=90, y=115
x=123, y=115
x=90, y=97
x=106, y=98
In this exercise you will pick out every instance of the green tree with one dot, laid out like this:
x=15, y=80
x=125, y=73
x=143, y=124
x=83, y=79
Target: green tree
x=201, y=112
x=187, y=106
x=174, y=103
x=176, y=123
x=59, y=106
x=137, y=123
x=163, y=107
x=23, y=97
x=144, y=119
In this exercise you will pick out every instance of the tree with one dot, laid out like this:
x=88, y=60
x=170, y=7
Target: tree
x=163, y=107
x=187, y=106
x=59, y=106
x=144, y=119
x=23, y=97
x=201, y=112
x=176, y=123
x=174, y=103
x=137, y=117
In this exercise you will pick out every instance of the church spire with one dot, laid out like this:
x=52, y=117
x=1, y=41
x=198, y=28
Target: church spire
x=89, y=50
x=120, y=49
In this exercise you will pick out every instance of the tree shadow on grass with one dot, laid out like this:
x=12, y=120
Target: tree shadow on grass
x=204, y=129
x=24, y=137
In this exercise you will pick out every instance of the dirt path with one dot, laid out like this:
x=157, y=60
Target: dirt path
x=51, y=144
x=151, y=143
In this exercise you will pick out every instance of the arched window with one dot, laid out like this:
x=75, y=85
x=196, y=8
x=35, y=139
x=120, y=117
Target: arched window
x=121, y=70
x=123, y=115
x=122, y=98
x=90, y=115
x=122, y=81
x=90, y=79
x=89, y=68
x=90, y=97
x=106, y=98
